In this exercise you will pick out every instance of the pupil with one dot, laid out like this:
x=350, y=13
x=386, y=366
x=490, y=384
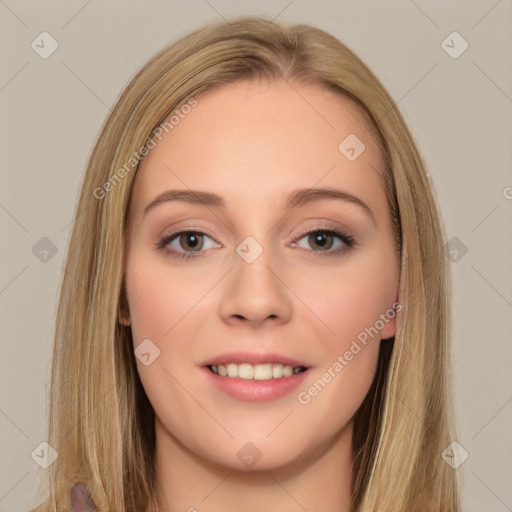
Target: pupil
x=320, y=238
x=192, y=236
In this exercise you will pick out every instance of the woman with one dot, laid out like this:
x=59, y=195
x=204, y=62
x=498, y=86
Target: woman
x=255, y=308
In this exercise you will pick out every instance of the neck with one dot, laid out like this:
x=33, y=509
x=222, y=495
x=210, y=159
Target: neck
x=319, y=481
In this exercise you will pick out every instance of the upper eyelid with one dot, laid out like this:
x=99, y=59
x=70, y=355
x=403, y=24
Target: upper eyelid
x=316, y=224
x=327, y=226
x=201, y=231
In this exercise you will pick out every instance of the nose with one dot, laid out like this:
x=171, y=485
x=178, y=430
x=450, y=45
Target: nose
x=256, y=292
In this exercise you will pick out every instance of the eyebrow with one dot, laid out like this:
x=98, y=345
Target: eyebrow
x=299, y=197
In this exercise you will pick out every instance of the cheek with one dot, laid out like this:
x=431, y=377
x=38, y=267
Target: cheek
x=157, y=301
x=330, y=399
x=350, y=304
x=349, y=299
x=158, y=304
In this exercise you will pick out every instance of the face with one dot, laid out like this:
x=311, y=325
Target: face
x=288, y=293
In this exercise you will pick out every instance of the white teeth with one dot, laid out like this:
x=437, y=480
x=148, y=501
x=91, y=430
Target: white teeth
x=255, y=372
x=262, y=371
x=232, y=370
x=246, y=371
x=277, y=371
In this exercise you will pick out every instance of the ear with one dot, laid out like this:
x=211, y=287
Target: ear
x=389, y=329
x=124, y=311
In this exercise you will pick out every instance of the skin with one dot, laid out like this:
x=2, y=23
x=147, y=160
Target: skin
x=253, y=142
x=81, y=500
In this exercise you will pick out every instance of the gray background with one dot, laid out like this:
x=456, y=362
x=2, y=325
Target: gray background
x=459, y=110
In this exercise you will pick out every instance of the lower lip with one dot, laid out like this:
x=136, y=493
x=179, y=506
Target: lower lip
x=255, y=390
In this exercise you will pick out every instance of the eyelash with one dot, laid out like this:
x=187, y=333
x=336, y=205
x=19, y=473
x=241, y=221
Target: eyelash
x=348, y=240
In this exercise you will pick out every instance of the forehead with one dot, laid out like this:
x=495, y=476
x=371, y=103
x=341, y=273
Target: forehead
x=254, y=141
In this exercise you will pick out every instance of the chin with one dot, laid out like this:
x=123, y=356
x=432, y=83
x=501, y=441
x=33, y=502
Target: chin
x=261, y=455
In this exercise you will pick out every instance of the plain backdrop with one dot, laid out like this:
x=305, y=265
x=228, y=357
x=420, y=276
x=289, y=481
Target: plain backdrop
x=457, y=105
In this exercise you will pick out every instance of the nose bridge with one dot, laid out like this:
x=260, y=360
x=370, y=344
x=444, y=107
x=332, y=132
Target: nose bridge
x=256, y=291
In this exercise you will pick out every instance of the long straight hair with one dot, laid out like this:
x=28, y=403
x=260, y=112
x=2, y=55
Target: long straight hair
x=100, y=420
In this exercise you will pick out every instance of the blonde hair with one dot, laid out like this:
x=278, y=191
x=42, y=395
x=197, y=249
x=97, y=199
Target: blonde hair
x=101, y=422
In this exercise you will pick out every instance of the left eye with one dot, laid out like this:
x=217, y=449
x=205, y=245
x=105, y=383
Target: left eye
x=323, y=240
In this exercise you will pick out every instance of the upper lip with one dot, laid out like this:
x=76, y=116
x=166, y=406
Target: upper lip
x=254, y=358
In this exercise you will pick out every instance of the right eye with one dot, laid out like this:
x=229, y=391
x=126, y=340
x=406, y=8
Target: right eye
x=193, y=240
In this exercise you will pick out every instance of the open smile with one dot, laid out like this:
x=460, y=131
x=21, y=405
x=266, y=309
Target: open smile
x=249, y=371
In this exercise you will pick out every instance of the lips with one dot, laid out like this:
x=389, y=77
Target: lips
x=254, y=358
x=255, y=377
